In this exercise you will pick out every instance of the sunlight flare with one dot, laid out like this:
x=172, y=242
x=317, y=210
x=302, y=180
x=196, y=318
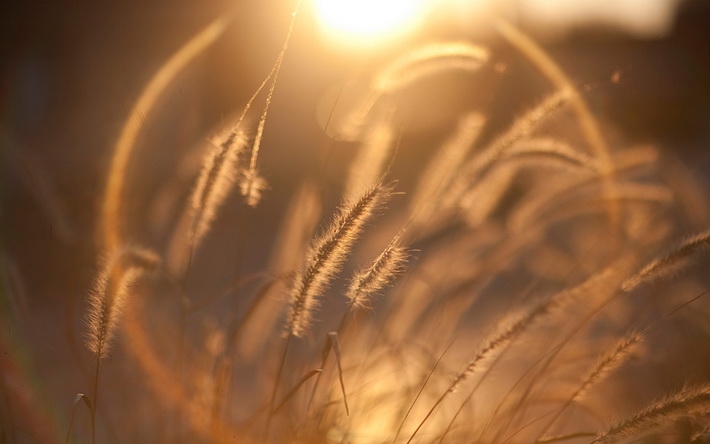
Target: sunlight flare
x=365, y=22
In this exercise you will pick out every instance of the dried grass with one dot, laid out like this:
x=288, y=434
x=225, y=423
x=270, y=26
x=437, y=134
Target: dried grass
x=493, y=285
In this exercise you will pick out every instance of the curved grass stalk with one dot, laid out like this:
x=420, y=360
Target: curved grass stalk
x=579, y=201
x=87, y=403
x=412, y=66
x=480, y=201
x=111, y=212
x=588, y=124
x=501, y=146
x=624, y=162
x=428, y=60
x=541, y=148
x=252, y=184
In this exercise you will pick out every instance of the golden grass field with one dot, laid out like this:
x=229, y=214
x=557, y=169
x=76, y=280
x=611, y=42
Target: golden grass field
x=417, y=273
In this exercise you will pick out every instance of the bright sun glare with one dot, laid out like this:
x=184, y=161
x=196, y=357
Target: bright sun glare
x=364, y=22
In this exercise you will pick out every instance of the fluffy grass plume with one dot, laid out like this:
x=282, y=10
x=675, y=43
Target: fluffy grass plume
x=326, y=255
x=386, y=267
x=110, y=293
x=687, y=403
x=252, y=183
x=220, y=170
x=672, y=262
x=297, y=228
x=608, y=363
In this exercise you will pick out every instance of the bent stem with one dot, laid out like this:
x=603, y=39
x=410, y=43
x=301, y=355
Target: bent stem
x=325, y=354
x=111, y=210
x=77, y=398
x=587, y=123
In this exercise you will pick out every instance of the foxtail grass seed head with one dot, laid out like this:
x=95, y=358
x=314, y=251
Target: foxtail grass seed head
x=252, y=187
x=326, y=255
x=220, y=170
x=369, y=281
x=672, y=262
x=608, y=363
x=110, y=293
x=527, y=231
x=522, y=128
x=506, y=333
x=688, y=403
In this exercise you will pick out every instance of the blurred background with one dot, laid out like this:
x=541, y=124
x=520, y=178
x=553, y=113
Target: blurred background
x=71, y=71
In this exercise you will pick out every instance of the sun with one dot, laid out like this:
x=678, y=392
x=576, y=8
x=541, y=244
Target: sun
x=367, y=22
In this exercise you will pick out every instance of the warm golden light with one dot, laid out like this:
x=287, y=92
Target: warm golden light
x=365, y=22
